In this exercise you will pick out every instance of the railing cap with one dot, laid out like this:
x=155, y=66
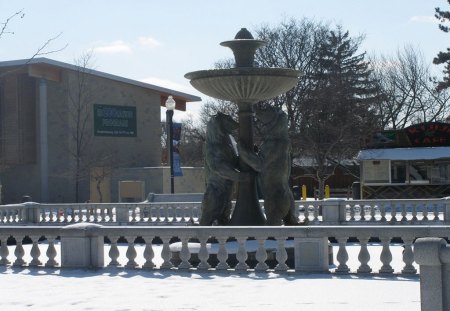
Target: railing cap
x=427, y=251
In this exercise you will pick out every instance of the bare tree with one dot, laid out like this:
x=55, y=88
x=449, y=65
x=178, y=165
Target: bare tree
x=79, y=91
x=408, y=91
x=44, y=49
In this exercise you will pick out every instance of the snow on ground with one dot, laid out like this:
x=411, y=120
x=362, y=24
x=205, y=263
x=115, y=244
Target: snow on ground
x=124, y=289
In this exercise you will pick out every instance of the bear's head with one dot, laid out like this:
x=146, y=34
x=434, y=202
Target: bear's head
x=219, y=127
x=272, y=122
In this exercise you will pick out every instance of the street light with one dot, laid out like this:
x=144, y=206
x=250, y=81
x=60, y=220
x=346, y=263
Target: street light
x=170, y=106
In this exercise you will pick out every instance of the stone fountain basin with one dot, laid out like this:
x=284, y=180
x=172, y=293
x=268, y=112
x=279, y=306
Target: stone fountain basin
x=248, y=85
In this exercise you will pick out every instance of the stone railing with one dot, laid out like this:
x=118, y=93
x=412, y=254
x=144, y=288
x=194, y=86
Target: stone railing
x=323, y=212
x=433, y=256
x=279, y=249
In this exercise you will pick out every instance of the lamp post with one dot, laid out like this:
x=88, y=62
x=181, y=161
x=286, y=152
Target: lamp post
x=170, y=106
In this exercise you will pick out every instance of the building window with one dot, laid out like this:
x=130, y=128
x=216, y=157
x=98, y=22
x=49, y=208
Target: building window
x=398, y=172
x=419, y=172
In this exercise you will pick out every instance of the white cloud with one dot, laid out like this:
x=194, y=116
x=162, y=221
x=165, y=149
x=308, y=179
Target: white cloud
x=424, y=19
x=116, y=47
x=149, y=42
x=167, y=84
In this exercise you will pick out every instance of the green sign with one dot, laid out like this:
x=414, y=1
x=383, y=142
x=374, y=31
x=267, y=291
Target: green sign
x=117, y=121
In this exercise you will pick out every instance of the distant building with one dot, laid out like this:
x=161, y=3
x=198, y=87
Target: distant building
x=407, y=164
x=119, y=121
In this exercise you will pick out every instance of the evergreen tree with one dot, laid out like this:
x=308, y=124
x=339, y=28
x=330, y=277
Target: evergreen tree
x=443, y=57
x=338, y=112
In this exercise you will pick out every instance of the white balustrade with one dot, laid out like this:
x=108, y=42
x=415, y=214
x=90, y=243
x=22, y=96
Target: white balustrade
x=319, y=212
x=237, y=249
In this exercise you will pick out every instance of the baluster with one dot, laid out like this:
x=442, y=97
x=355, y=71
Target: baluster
x=133, y=213
x=131, y=252
x=408, y=256
x=425, y=212
x=13, y=215
x=404, y=219
x=114, y=252
x=51, y=253
x=1, y=217
x=364, y=256
x=184, y=211
x=393, y=212
x=50, y=214
x=110, y=214
x=372, y=212
x=4, y=252
x=35, y=252
x=103, y=214
x=306, y=212
x=281, y=255
x=316, y=212
x=386, y=256
x=435, y=212
x=342, y=256
x=185, y=255
x=352, y=212
x=152, y=212
x=66, y=214
x=72, y=214
x=414, y=213
x=241, y=254
x=261, y=254
x=166, y=212
x=93, y=213
x=19, y=253
x=80, y=213
x=383, y=212
x=175, y=215
x=149, y=254
x=158, y=214
x=166, y=254
x=362, y=212
x=192, y=214
x=203, y=254
x=222, y=255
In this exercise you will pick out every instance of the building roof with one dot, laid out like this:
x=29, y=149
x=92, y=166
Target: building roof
x=405, y=154
x=179, y=97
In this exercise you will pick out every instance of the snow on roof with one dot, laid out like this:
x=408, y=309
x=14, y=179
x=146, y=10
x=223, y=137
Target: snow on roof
x=51, y=62
x=423, y=153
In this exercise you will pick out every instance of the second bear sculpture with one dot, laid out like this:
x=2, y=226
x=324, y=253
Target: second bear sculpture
x=221, y=163
x=273, y=163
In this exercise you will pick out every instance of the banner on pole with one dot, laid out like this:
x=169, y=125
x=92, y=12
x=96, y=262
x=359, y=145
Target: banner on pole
x=176, y=129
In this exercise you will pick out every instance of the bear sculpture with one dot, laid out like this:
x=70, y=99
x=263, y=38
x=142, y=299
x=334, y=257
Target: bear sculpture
x=221, y=170
x=273, y=163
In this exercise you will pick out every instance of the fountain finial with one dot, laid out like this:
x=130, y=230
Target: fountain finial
x=244, y=47
x=244, y=34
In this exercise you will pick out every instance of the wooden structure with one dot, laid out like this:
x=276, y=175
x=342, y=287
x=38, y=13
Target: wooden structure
x=405, y=164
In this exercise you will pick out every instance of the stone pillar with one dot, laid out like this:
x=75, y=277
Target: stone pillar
x=31, y=212
x=82, y=246
x=43, y=139
x=311, y=254
x=447, y=209
x=433, y=256
x=333, y=211
x=122, y=215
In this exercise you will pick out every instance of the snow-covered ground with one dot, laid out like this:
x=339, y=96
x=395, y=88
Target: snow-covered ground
x=120, y=289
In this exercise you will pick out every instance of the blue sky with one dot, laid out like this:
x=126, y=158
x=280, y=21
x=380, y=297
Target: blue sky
x=159, y=41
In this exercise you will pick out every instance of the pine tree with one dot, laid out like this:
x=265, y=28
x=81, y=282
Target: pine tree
x=338, y=113
x=443, y=57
